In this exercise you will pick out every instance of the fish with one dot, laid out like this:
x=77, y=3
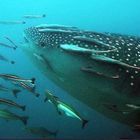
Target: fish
x=114, y=60
x=7, y=46
x=89, y=69
x=6, y=22
x=6, y=89
x=63, y=107
x=15, y=46
x=41, y=131
x=3, y=58
x=7, y=115
x=30, y=89
x=17, y=78
x=34, y=16
x=133, y=106
x=12, y=103
x=56, y=26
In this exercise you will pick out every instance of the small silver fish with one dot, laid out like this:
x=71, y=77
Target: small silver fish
x=133, y=106
x=34, y=16
x=7, y=115
x=12, y=22
x=63, y=107
x=7, y=46
x=17, y=78
x=3, y=58
x=41, y=131
x=15, y=46
x=30, y=89
x=12, y=103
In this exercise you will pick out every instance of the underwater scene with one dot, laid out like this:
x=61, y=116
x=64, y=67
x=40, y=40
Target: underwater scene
x=70, y=69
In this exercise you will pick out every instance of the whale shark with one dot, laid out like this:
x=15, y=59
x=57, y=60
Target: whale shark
x=101, y=70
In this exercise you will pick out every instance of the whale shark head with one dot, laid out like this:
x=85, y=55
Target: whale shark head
x=34, y=36
x=44, y=37
x=96, y=68
x=56, y=35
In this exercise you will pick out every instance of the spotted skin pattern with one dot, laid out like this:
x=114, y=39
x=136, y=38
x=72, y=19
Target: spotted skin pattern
x=128, y=48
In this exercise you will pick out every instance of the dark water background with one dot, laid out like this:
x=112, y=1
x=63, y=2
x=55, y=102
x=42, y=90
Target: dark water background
x=119, y=16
